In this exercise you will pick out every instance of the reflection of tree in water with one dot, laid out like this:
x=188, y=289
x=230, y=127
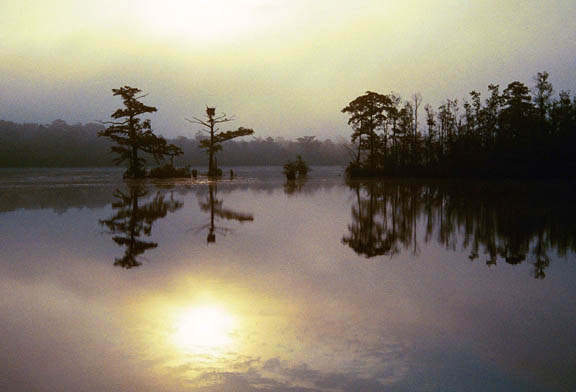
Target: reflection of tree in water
x=508, y=222
x=292, y=187
x=132, y=221
x=369, y=233
x=214, y=206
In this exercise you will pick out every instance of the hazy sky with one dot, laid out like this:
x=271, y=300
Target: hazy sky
x=283, y=67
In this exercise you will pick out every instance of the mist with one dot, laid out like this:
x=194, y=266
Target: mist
x=284, y=68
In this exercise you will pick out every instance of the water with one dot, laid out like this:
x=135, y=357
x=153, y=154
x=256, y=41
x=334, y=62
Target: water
x=258, y=285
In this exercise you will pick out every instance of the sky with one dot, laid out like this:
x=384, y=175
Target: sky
x=282, y=67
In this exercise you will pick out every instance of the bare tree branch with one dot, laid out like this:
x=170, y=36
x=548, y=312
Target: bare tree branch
x=142, y=96
x=198, y=121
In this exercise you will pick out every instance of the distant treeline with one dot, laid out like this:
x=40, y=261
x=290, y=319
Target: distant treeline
x=63, y=145
x=516, y=132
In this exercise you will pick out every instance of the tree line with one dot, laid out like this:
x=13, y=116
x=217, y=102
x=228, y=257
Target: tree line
x=514, y=132
x=60, y=144
x=131, y=140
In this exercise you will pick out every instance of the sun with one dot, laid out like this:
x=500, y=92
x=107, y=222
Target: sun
x=202, y=19
x=204, y=327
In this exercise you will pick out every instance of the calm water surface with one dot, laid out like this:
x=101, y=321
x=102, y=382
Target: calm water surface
x=254, y=284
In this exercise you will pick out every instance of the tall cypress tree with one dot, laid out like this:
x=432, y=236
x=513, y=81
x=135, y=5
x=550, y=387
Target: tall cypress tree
x=213, y=143
x=133, y=134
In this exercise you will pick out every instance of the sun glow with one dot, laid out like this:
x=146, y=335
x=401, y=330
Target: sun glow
x=204, y=19
x=204, y=327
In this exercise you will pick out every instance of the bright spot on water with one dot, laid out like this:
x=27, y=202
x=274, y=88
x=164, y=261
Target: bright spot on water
x=204, y=327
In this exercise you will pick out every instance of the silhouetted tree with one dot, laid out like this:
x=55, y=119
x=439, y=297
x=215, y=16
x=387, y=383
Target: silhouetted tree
x=367, y=115
x=516, y=112
x=213, y=143
x=297, y=167
x=132, y=134
x=542, y=98
x=511, y=134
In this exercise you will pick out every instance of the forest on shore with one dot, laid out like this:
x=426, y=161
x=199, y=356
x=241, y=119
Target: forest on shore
x=59, y=144
x=514, y=132
x=518, y=131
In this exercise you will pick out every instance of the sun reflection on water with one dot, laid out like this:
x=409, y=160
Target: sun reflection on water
x=204, y=328
x=226, y=339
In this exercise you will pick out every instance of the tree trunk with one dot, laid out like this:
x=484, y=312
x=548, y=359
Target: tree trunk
x=211, y=165
x=211, y=169
x=135, y=169
x=359, y=147
x=372, y=153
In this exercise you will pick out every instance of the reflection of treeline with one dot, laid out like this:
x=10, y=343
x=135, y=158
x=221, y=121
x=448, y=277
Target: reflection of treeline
x=513, y=132
x=63, y=145
x=506, y=222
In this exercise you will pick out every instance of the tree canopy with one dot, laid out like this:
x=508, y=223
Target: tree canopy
x=213, y=143
x=515, y=132
x=132, y=134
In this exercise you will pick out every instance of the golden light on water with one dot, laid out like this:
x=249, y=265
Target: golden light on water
x=199, y=333
x=204, y=327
